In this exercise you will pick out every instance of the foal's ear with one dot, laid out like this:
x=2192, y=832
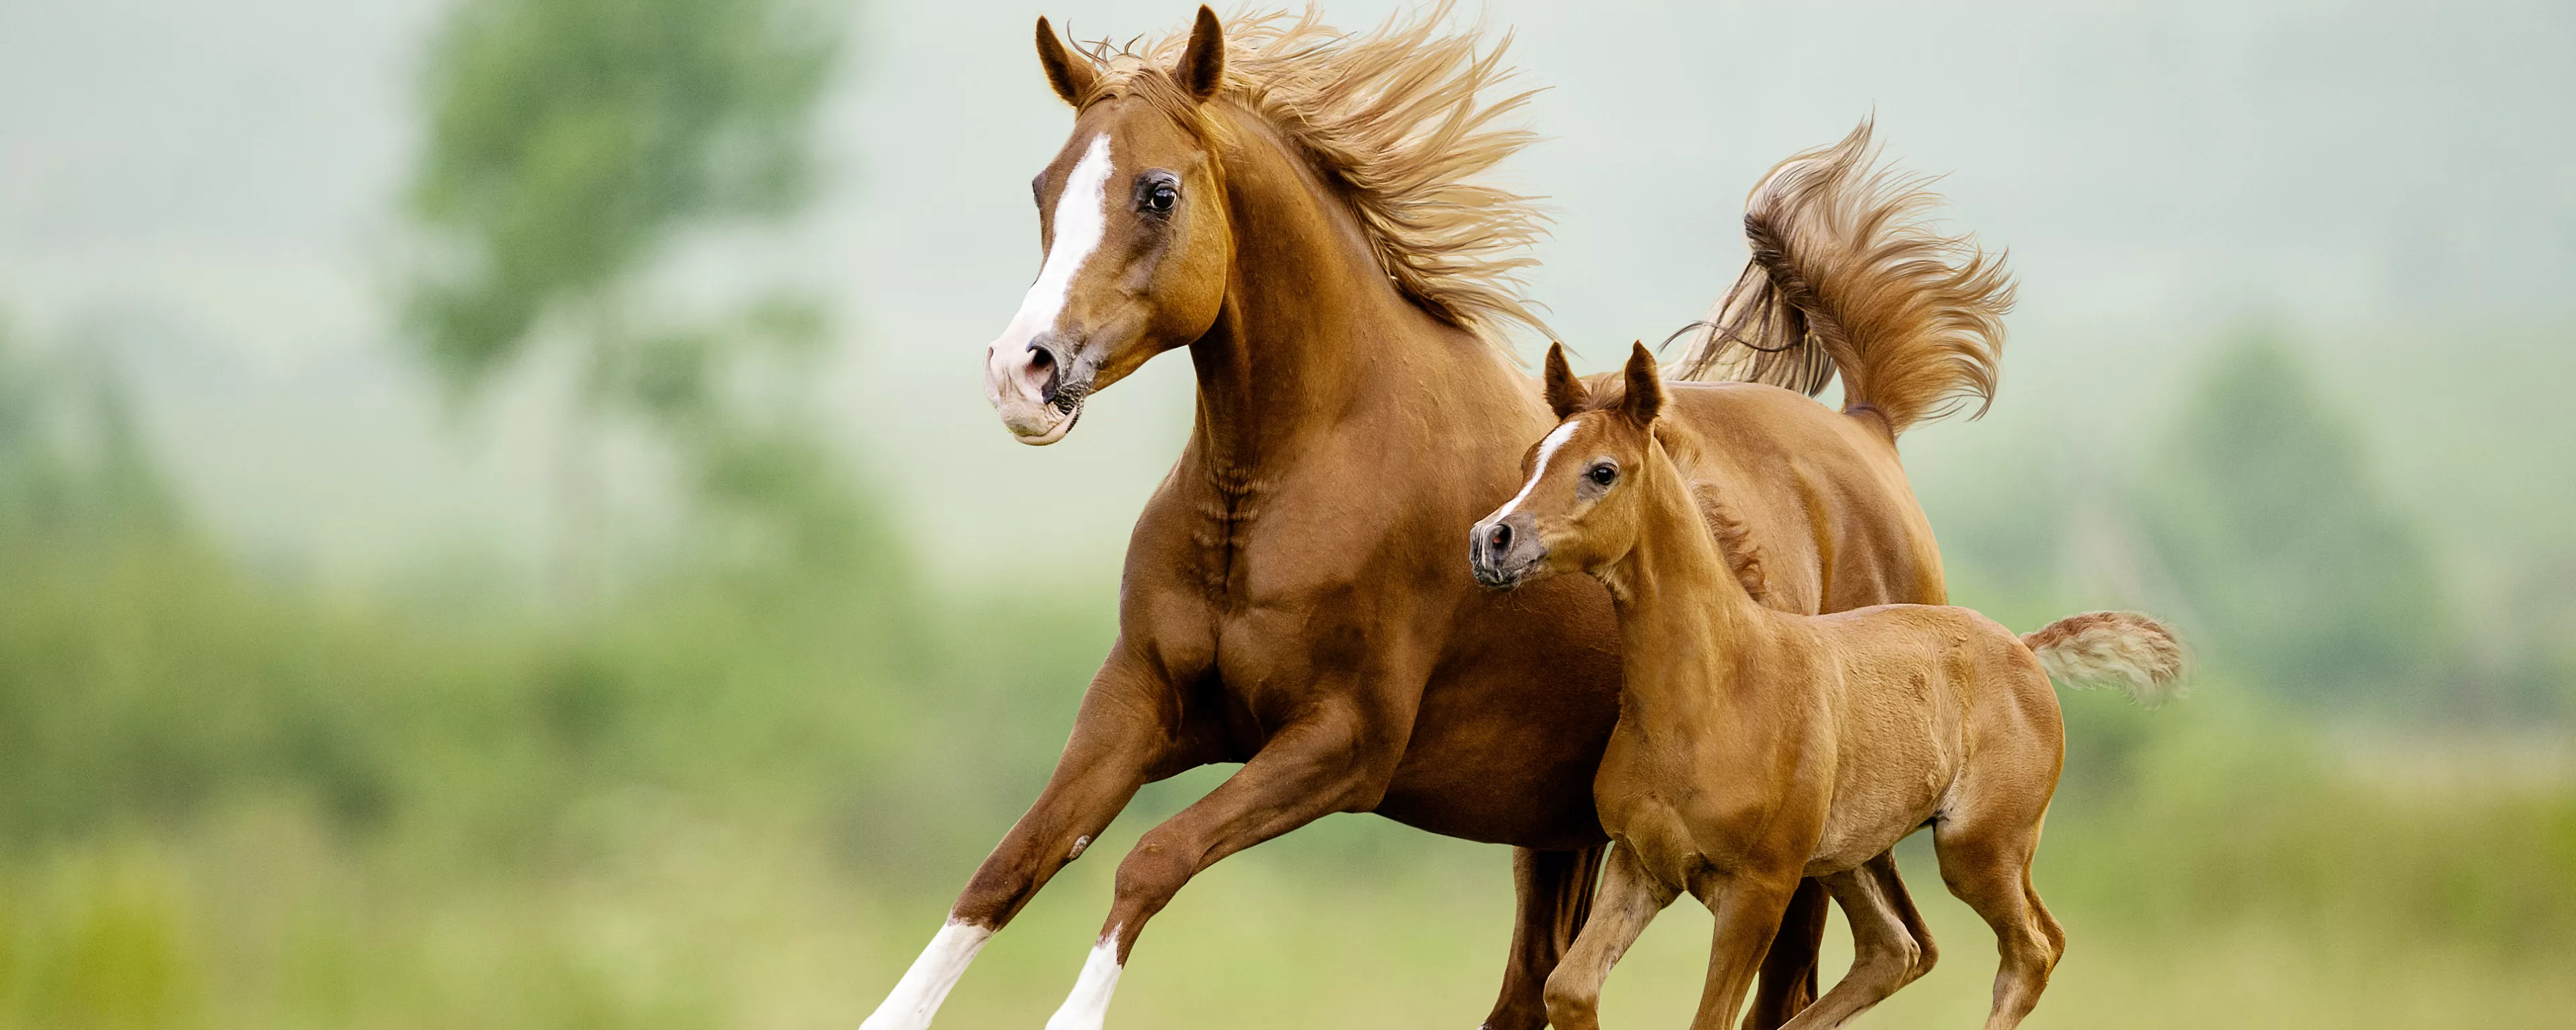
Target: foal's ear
x=1068, y=72
x=1202, y=67
x=1565, y=393
x=1645, y=398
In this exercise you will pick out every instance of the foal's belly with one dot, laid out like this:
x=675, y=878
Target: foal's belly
x=1851, y=841
x=1874, y=806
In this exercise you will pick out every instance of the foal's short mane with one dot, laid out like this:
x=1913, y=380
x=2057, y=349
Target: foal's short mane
x=1397, y=119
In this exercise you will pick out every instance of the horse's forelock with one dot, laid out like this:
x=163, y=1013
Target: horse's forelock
x=1398, y=117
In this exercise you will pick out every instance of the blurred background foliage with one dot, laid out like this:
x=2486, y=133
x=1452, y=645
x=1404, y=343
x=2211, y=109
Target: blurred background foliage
x=729, y=770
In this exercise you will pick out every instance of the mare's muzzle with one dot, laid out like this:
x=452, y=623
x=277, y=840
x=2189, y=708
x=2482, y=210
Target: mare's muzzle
x=1503, y=551
x=1038, y=388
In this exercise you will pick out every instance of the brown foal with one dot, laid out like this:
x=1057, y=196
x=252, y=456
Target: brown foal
x=1298, y=209
x=1755, y=747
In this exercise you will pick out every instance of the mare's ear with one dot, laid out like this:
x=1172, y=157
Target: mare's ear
x=1645, y=398
x=1565, y=393
x=1068, y=72
x=1202, y=67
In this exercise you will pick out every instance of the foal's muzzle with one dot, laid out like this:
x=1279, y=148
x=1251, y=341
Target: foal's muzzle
x=1503, y=551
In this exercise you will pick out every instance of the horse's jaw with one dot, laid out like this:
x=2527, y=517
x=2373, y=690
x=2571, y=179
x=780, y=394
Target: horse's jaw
x=1038, y=425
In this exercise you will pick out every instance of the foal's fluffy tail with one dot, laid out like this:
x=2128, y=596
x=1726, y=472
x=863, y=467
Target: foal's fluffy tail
x=1849, y=276
x=2127, y=650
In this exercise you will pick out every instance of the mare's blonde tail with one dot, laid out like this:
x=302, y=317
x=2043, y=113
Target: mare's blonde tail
x=1850, y=276
x=2127, y=650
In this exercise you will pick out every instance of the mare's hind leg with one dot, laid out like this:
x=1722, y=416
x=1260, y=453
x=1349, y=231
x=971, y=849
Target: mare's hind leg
x=1629, y=899
x=1554, y=889
x=1889, y=950
x=1985, y=859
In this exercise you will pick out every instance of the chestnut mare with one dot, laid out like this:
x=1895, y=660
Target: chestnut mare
x=1295, y=206
x=1756, y=747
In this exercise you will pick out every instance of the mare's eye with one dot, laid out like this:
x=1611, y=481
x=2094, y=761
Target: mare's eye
x=1603, y=474
x=1158, y=196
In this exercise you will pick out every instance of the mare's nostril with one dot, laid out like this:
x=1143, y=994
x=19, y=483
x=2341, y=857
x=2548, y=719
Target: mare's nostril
x=1042, y=361
x=1499, y=540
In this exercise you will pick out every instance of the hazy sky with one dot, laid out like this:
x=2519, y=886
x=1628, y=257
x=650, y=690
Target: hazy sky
x=210, y=187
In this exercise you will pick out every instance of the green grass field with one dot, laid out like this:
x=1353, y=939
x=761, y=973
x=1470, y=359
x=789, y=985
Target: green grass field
x=2215, y=866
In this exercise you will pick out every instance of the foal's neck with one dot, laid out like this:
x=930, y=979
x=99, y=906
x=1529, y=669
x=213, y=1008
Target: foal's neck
x=1310, y=325
x=1686, y=624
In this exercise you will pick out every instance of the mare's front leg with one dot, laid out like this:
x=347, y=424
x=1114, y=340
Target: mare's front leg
x=1128, y=732
x=1336, y=760
x=1553, y=891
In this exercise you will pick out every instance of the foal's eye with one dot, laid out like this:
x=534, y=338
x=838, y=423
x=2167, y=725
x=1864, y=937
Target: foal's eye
x=1603, y=474
x=1158, y=197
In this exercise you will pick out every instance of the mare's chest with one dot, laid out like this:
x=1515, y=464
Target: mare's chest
x=1294, y=585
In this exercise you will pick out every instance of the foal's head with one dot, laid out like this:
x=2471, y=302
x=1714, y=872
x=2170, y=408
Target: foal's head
x=1578, y=511
x=1133, y=224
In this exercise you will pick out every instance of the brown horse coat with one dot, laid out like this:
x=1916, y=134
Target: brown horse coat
x=1274, y=203
x=1755, y=746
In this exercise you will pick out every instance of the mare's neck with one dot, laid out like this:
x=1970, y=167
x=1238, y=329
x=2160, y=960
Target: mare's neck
x=1686, y=625
x=1310, y=324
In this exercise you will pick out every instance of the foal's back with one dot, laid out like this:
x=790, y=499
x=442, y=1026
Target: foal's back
x=1930, y=703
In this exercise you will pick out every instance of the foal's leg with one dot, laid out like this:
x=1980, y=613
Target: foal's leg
x=1985, y=858
x=1748, y=909
x=1555, y=890
x=1893, y=888
x=1788, y=981
x=1323, y=765
x=1630, y=897
x=1886, y=954
x=1124, y=735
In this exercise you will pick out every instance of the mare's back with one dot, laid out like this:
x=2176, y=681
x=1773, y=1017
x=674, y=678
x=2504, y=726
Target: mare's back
x=1811, y=484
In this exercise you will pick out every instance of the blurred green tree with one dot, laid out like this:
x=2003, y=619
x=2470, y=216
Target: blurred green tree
x=2296, y=568
x=72, y=462
x=570, y=142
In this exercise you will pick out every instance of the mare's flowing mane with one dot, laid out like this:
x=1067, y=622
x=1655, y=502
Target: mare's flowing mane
x=1396, y=117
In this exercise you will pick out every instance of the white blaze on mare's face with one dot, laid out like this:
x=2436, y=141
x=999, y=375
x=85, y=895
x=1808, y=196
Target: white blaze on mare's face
x=1081, y=216
x=1538, y=469
x=917, y=996
x=1088, y=1006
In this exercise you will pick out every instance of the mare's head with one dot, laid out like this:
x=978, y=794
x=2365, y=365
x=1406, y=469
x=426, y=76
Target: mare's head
x=1132, y=219
x=1578, y=508
x=1386, y=132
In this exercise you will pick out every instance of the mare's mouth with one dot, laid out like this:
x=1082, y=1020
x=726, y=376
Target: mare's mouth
x=1045, y=422
x=1048, y=428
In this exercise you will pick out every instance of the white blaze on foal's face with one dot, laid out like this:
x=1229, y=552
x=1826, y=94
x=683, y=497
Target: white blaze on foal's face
x=1547, y=449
